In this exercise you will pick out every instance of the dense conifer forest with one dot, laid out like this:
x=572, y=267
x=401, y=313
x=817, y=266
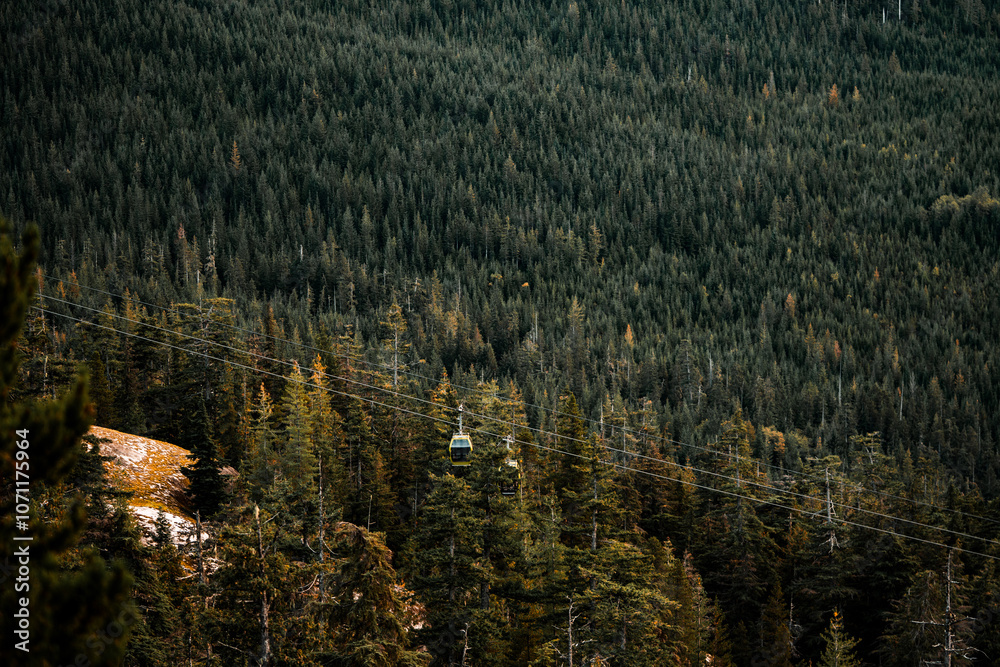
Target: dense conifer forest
x=725, y=272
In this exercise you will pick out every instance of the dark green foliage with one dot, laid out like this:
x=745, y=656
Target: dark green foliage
x=257, y=588
x=369, y=612
x=821, y=277
x=734, y=543
x=775, y=636
x=445, y=561
x=768, y=230
x=207, y=488
x=74, y=597
x=157, y=625
x=630, y=615
x=932, y=619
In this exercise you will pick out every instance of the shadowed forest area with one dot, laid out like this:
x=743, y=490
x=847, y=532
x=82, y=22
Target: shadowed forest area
x=727, y=273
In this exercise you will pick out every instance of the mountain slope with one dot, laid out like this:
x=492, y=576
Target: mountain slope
x=151, y=470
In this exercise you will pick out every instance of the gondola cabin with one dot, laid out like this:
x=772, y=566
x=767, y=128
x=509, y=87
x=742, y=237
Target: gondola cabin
x=510, y=485
x=460, y=450
x=511, y=481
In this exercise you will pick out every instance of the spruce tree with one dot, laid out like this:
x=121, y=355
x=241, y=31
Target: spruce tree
x=207, y=490
x=737, y=552
x=297, y=462
x=546, y=568
x=826, y=565
x=78, y=609
x=628, y=610
x=573, y=478
x=502, y=539
x=444, y=564
x=253, y=620
x=931, y=621
x=260, y=465
x=371, y=613
x=840, y=646
x=775, y=636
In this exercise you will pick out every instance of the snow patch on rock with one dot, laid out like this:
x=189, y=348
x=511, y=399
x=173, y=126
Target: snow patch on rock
x=151, y=470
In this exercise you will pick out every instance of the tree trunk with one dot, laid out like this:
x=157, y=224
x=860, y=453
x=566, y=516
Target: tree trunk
x=322, y=521
x=201, y=563
x=593, y=521
x=265, y=630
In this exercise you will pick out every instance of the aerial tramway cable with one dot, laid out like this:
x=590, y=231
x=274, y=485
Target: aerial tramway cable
x=563, y=452
x=553, y=411
x=765, y=487
x=460, y=448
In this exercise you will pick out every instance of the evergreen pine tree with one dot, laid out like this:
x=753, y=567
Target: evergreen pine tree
x=840, y=646
x=629, y=611
x=502, y=539
x=260, y=465
x=370, y=613
x=207, y=490
x=546, y=568
x=573, y=477
x=254, y=591
x=297, y=462
x=736, y=548
x=75, y=610
x=775, y=636
x=444, y=557
x=930, y=619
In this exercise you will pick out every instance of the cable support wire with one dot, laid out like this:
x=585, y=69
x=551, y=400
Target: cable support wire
x=553, y=411
x=807, y=512
x=609, y=448
x=293, y=364
x=236, y=350
x=524, y=404
x=541, y=432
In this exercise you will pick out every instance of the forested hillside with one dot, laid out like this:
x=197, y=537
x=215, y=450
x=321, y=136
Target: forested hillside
x=727, y=271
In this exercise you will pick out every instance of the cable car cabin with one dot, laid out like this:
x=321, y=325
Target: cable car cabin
x=460, y=450
x=509, y=486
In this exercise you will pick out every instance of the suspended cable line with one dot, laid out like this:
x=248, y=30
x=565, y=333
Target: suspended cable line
x=803, y=511
x=372, y=401
x=607, y=447
x=555, y=412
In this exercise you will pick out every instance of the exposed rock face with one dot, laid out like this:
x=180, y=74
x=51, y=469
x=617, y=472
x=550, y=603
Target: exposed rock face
x=151, y=470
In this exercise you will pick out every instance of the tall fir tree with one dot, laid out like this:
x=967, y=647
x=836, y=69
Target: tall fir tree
x=775, y=635
x=207, y=489
x=371, y=614
x=297, y=461
x=444, y=567
x=840, y=646
x=73, y=607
